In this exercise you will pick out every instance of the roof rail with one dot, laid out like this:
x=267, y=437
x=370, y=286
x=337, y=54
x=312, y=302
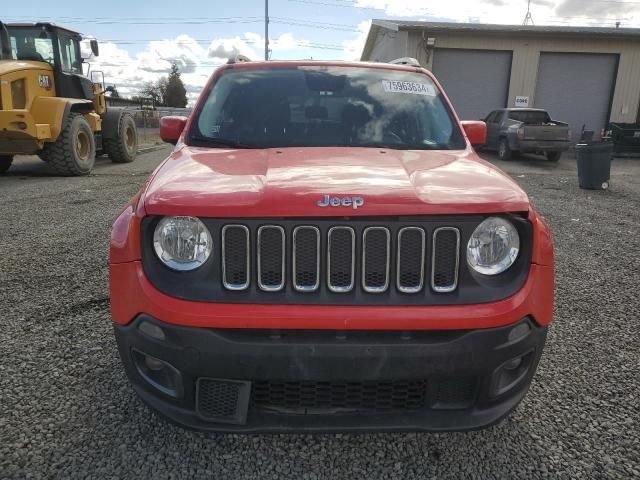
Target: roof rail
x=406, y=61
x=238, y=59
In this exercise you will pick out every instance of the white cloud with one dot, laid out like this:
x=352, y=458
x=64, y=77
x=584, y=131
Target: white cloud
x=485, y=11
x=353, y=47
x=224, y=48
x=195, y=61
x=550, y=12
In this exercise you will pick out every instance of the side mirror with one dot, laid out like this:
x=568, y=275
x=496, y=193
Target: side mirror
x=171, y=128
x=94, y=47
x=476, y=132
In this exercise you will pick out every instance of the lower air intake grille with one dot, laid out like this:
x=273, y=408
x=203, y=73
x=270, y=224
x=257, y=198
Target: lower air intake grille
x=453, y=393
x=223, y=401
x=355, y=396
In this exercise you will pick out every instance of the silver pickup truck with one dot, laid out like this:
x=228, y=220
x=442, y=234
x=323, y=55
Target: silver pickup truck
x=526, y=130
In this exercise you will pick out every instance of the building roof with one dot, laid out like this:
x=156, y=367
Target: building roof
x=494, y=29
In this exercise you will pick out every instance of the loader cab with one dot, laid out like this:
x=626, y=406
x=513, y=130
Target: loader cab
x=57, y=46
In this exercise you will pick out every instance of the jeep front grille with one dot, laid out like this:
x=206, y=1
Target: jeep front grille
x=306, y=258
x=341, y=259
x=375, y=259
x=236, y=260
x=271, y=253
x=411, y=256
x=445, y=259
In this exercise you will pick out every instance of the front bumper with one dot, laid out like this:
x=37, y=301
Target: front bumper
x=255, y=380
x=19, y=134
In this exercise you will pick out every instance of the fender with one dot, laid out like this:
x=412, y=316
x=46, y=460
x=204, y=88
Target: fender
x=54, y=111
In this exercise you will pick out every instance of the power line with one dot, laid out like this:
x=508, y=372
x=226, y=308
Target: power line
x=299, y=43
x=335, y=3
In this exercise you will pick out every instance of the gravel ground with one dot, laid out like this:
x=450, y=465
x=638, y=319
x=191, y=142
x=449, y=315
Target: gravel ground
x=66, y=409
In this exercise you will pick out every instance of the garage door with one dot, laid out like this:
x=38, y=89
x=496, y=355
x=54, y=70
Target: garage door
x=476, y=81
x=577, y=88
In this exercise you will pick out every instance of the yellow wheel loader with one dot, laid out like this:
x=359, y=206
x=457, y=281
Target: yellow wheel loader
x=49, y=108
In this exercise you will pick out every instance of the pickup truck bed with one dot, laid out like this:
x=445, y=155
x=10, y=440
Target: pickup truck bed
x=526, y=131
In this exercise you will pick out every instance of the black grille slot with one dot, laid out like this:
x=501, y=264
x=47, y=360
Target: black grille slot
x=375, y=264
x=235, y=257
x=271, y=254
x=306, y=258
x=355, y=396
x=224, y=401
x=446, y=252
x=452, y=393
x=341, y=259
x=411, y=250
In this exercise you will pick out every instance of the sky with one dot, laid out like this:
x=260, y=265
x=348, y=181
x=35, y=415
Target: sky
x=140, y=39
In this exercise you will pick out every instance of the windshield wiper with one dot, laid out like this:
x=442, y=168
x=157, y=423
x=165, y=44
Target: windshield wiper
x=220, y=142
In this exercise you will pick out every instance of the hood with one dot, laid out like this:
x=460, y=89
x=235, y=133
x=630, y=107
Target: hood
x=9, y=66
x=291, y=181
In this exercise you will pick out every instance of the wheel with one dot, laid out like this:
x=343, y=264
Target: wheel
x=74, y=151
x=124, y=147
x=504, y=151
x=553, y=156
x=5, y=162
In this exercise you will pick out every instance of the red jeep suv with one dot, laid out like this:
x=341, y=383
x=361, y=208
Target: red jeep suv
x=323, y=250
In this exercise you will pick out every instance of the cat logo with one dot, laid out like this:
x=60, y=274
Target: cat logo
x=44, y=81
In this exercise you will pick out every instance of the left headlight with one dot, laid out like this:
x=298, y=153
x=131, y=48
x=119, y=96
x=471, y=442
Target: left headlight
x=182, y=243
x=493, y=246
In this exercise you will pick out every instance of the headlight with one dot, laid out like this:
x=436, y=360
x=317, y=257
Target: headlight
x=182, y=243
x=493, y=247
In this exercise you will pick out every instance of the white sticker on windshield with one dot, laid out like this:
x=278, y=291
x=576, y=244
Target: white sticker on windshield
x=415, y=88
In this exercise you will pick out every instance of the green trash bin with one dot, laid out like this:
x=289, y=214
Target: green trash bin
x=594, y=164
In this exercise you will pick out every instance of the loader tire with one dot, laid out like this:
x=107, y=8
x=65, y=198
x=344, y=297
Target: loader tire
x=74, y=151
x=5, y=163
x=124, y=147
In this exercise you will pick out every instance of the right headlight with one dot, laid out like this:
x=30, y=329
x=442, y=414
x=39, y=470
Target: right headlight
x=493, y=246
x=182, y=243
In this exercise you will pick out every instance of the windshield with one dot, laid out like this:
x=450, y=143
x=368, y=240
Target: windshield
x=326, y=106
x=531, y=117
x=30, y=44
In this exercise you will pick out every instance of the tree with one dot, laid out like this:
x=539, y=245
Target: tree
x=114, y=92
x=175, y=94
x=167, y=92
x=153, y=91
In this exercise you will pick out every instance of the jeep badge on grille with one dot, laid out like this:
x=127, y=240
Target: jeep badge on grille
x=353, y=202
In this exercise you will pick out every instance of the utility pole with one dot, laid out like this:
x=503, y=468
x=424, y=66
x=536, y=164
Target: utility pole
x=528, y=18
x=266, y=29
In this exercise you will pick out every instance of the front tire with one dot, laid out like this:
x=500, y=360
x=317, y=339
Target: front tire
x=5, y=163
x=553, y=156
x=124, y=147
x=74, y=151
x=504, y=151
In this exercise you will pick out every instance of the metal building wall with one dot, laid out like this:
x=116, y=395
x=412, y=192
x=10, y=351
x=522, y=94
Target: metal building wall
x=526, y=58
